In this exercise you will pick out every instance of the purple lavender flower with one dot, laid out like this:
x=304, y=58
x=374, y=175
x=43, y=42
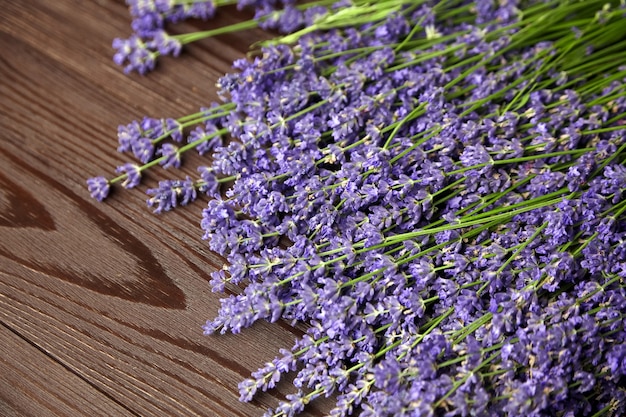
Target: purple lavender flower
x=143, y=149
x=200, y=134
x=210, y=184
x=475, y=155
x=174, y=129
x=218, y=281
x=127, y=135
x=164, y=44
x=98, y=187
x=152, y=127
x=204, y=10
x=389, y=190
x=614, y=180
x=170, y=156
x=134, y=55
x=149, y=16
x=132, y=174
x=171, y=193
x=147, y=23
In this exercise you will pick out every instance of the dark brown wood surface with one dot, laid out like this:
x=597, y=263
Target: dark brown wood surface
x=101, y=305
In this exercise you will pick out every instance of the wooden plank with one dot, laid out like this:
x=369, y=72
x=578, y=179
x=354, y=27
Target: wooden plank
x=34, y=384
x=106, y=296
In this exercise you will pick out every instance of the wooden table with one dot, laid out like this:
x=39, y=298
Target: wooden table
x=101, y=305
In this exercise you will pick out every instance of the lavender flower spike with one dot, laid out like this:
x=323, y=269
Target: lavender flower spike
x=98, y=187
x=132, y=174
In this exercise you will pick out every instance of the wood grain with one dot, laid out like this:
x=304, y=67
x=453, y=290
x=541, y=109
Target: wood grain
x=101, y=305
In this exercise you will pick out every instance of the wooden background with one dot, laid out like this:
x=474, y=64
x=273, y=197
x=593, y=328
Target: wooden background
x=101, y=305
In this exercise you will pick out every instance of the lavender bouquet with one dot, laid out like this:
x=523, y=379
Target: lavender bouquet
x=434, y=188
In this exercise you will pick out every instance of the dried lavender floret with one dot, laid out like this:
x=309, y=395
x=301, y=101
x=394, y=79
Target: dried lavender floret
x=172, y=193
x=134, y=55
x=132, y=174
x=151, y=15
x=127, y=135
x=99, y=187
x=170, y=156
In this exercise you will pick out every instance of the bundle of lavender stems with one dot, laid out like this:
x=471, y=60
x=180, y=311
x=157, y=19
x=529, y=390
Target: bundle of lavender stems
x=435, y=189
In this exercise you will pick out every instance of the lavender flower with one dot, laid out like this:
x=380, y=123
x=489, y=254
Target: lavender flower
x=164, y=44
x=435, y=193
x=172, y=193
x=170, y=156
x=134, y=55
x=127, y=136
x=98, y=187
x=143, y=149
x=132, y=175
